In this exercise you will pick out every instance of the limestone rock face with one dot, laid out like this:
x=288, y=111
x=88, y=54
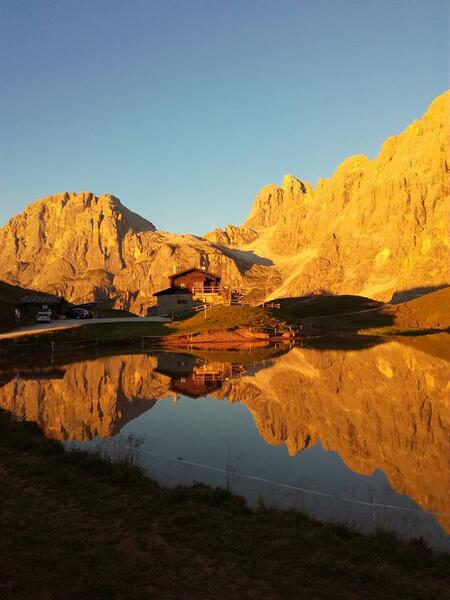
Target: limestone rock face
x=88, y=248
x=375, y=228
x=233, y=236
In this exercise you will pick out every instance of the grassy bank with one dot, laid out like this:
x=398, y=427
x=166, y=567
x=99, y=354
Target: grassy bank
x=219, y=318
x=75, y=526
x=315, y=314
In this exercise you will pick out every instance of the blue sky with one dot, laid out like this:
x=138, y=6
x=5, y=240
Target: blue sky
x=185, y=108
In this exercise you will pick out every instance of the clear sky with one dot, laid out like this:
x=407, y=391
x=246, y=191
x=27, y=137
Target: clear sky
x=185, y=108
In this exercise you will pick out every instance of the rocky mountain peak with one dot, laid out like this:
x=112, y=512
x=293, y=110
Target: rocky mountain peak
x=376, y=228
x=87, y=247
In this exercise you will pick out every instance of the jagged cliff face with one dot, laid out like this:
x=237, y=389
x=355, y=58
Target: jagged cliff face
x=374, y=228
x=385, y=408
x=88, y=248
x=87, y=399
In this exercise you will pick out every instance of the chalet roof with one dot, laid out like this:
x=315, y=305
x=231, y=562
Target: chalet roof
x=194, y=389
x=172, y=290
x=186, y=271
x=42, y=299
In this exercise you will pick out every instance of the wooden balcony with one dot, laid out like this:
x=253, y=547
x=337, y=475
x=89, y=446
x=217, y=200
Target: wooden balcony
x=201, y=290
x=216, y=295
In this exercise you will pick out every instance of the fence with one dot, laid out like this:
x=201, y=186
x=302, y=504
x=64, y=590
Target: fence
x=206, y=289
x=67, y=346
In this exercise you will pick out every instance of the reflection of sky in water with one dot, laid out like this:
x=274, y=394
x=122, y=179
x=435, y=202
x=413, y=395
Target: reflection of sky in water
x=224, y=436
x=382, y=407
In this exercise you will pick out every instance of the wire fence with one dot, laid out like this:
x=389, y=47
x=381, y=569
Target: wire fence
x=48, y=343
x=370, y=504
x=61, y=346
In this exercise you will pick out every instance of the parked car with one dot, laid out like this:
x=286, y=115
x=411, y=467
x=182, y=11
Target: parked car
x=78, y=313
x=43, y=316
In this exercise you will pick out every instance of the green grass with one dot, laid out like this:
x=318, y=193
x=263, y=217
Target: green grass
x=76, y=526
x=103, y=331
x=219, y=318
x=318, y=312
x=226, y=317
x=313, y=306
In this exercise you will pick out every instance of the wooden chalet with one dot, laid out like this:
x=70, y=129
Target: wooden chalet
x=198, y=280
x=193, y=287
x=206, y=287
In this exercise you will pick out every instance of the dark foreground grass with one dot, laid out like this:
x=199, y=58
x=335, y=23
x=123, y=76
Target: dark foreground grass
x=74, y=526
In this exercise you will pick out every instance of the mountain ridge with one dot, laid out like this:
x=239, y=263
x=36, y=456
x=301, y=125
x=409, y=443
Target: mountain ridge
x=375, y=228
x=391, y=212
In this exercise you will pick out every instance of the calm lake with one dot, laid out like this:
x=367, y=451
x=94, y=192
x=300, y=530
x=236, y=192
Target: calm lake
x=359, y=436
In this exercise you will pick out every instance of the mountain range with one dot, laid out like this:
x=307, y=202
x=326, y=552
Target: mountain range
x=377, y=228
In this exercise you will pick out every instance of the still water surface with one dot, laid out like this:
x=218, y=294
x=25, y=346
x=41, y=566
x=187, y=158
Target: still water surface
x=359, y=436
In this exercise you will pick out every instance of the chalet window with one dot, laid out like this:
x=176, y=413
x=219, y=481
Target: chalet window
x=182, y=285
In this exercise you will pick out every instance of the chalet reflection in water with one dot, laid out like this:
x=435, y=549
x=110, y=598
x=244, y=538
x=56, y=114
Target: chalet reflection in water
x=193, y=378
x=382, y=411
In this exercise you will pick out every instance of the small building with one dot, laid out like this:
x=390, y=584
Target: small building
x=200, y=287
x=205, y=286
x=174, y=300
x=197, y=280
x=32, y=304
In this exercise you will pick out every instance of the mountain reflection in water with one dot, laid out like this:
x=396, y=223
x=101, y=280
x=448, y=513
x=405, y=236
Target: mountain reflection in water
x=380, y=408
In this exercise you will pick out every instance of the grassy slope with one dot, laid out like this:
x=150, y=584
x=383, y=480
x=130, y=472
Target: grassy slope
x=216, y=318
x=428, y=312
x=225, y=317
x=75, y=526
x=311, y=306
x=431, y=311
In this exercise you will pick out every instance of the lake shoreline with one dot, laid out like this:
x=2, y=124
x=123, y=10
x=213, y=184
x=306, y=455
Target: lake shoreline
x=90, y=528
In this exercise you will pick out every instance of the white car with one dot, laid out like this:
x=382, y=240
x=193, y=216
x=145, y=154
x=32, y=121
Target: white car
x=43, y=317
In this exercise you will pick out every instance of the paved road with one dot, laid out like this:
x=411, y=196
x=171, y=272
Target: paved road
x=71, y=323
